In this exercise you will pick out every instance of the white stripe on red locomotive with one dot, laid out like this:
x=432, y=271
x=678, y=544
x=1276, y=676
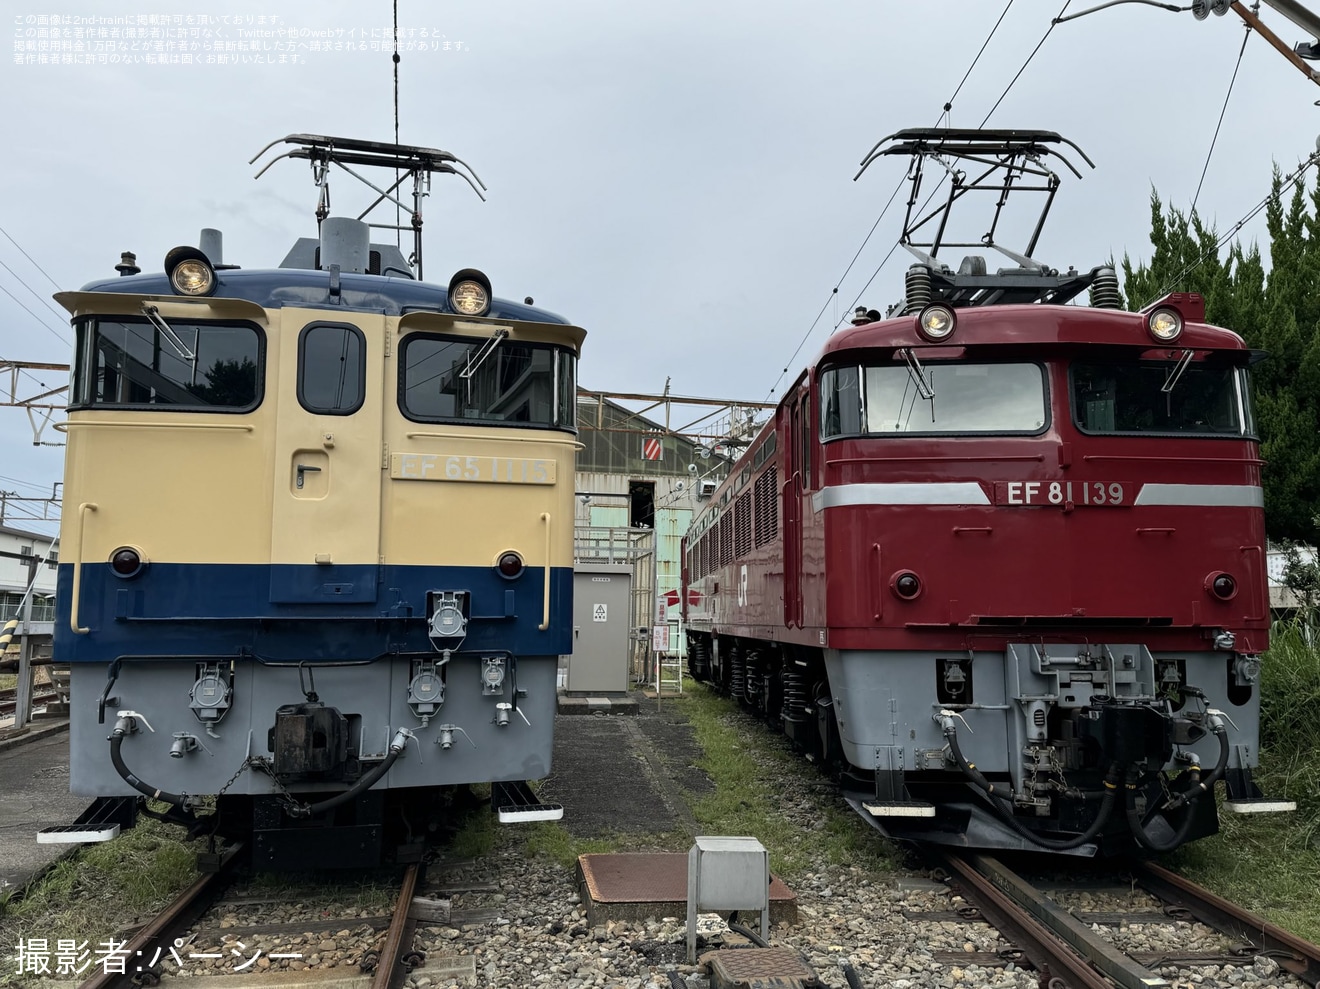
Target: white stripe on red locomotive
x=971, y=493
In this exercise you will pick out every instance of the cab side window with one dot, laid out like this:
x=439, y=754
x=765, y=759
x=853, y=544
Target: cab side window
x=331, y=369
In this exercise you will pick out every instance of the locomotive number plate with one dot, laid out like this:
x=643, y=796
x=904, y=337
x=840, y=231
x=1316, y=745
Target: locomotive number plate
x=488, y=470
x=1062, y=494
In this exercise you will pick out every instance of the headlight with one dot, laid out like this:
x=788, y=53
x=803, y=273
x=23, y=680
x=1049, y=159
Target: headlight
x=1165, y=325
x=469, y=293
x=193, y=278
x=936, y=322
x=190, y=271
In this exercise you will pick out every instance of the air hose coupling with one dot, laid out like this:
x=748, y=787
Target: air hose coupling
x=1200, y=785
x=126, y=723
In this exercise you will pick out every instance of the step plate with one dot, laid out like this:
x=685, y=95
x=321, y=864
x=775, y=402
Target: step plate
x=76, y=834
x=899, y=808
x=515, y=803
x=1260, y=806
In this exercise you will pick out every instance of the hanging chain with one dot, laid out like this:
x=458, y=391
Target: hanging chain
x=237, y=773
x=264, y=765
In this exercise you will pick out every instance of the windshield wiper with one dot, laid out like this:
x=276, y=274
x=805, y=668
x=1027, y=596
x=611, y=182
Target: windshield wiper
x=167, y=331
x=917, y=374
x=1176, y=372
x=486, y=350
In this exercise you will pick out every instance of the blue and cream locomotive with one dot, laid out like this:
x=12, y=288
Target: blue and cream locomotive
x=317, y=549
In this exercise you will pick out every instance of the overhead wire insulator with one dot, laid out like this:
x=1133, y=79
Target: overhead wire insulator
x=916, y=288
x=1104, y=293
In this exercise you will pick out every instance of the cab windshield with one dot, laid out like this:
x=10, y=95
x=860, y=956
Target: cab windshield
x=445, y=379
x=208, y=367
x=942, y=398
x=1161, y=397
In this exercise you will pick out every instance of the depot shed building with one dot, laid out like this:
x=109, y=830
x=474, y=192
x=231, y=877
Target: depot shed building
x=637, y=486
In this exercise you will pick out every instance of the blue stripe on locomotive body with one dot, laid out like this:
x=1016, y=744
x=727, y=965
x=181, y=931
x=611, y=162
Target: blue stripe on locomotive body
x=291, y=613
x=274, y=288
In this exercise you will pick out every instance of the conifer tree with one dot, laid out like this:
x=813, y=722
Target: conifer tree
x=1278, y=313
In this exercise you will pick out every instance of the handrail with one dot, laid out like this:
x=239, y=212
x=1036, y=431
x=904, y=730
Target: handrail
x=83, y=509
x=493, y=439
x=545, y=605
x=63, y=427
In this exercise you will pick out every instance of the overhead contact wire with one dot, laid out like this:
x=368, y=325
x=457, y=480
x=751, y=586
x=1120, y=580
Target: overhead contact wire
x=40, y=321
x=1224, y=109
x=29, y=257
x=35, y=294
x=892, y=196
x=1005, y=93
x=1039, y=44
x=949, y=104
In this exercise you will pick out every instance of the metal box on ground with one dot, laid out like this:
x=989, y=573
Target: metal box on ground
x=726, y=874
x=634, y=886
x=602, y=623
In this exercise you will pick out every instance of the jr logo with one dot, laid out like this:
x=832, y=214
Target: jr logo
x=742, y=587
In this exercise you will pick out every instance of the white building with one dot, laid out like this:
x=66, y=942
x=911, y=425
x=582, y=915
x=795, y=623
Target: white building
x=1276, y=561
x=23, y=556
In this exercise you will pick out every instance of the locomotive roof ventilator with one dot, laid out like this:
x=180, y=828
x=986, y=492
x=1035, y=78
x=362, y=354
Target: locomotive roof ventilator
x=992, y=161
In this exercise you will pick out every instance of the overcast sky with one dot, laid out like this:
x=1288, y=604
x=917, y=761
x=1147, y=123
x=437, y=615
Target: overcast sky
x=675, y=177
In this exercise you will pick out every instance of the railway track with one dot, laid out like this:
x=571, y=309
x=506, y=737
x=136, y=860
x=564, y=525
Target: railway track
x=389, y=961
x=166, y=930
x=1079, y=949
x=9, y=698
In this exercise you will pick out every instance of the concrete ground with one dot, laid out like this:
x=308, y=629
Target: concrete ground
x=34, y=793
x=626, y=773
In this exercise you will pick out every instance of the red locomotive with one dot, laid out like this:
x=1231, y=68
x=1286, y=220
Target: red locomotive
x=999, y=560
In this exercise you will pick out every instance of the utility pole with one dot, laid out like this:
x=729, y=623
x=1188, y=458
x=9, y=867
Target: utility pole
x=1305, y=20
x=1281, y=46
x=1201, y=9
x=23, y=707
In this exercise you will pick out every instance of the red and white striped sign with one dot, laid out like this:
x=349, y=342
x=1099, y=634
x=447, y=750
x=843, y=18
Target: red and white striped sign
x=651, y=449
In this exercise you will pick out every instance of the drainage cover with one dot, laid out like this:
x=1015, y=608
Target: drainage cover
x=758, y=968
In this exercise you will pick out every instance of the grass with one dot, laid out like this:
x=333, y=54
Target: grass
x=747, y=763
x=1269, y=864
x=551, y=840
x=90, y=895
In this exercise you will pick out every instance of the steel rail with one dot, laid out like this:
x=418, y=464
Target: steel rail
x=170, y=923
x=9, y=701
x=1050, y=955
x=390, y=967
x=1118, y=965
x=1295, y=955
